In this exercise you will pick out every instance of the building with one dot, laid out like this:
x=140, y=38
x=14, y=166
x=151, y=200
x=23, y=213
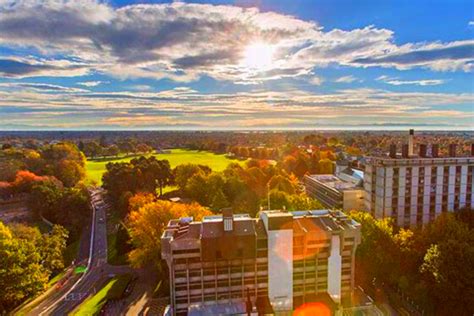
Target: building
x=415, y=189
x=275, y=262
x=344, y=190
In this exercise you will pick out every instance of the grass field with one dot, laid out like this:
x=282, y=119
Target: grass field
x=95, y=168
x=112, y=290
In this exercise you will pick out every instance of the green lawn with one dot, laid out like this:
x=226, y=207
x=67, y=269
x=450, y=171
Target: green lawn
x=95, y=168
x=112, y=290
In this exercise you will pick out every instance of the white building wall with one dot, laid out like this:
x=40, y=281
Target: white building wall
x=335, y=269
x=353, y=200
x=368, y=187
x=414, y=195
x=388, y=192
x=379, y=192
x=426, y=195
x=401, y=195
x=463, y=187
x=280, y=269
x=451, y=187
x=439, y=190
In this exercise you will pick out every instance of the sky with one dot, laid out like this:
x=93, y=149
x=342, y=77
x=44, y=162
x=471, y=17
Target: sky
x=242, y=64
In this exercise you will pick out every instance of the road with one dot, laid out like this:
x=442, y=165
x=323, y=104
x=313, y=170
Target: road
x=75, y=291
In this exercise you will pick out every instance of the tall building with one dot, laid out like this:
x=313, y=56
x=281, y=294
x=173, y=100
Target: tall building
x=275, y=263
x=344, y=190
x=415, y=189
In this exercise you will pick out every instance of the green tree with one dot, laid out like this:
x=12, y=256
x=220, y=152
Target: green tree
x=21, y=272
x=219, y=201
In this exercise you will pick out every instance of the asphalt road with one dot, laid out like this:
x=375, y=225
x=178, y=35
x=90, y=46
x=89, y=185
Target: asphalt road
x=62, y=301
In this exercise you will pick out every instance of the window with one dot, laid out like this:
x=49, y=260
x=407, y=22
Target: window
x=222, y=283
x=180, y=274
x=208, y=271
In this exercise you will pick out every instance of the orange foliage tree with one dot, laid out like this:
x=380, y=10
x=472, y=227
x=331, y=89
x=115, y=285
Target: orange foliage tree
x=147, y=222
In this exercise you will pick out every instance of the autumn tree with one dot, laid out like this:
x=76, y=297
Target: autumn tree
x=27, y=259
x=146, y=225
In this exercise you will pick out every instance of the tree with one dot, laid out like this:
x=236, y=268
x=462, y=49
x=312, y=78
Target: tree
x=113, y=150
x=146, y=226
x=283, y=183
x=447, y=266
x=184, y=172
x=92, y=149
x=219, y=201
x=325, y=166
x=65, y=162
x=27, y=259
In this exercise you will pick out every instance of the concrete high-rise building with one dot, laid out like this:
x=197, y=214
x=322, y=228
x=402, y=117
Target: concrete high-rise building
x=415, y=189
x=274, y=263
x=343, y=190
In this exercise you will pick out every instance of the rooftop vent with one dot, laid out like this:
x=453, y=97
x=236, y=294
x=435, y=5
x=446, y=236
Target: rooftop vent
x=228, y=219
x=393, y=151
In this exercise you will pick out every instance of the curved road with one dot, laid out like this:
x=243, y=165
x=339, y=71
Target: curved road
x=75, y=291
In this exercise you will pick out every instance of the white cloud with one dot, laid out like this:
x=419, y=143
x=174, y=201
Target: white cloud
x=395, y=81
x=184, y=41
x=186, y=107
x=317, y=81
x=92, y=83
x=39, y=87
x=141, y=87
x=471, y=23
x=347, y=79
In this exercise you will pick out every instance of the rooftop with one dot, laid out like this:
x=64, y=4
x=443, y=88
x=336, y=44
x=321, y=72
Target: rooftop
x=344, y=181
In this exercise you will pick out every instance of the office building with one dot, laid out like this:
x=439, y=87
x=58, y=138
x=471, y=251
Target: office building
x=227, y=264
x=344, y=190
x=415, y=189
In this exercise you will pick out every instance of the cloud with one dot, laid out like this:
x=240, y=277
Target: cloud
x=451, y=56
x=471, y=23
x=39, y=87
x=21, y=68
x=423, y=82
x=92, y=83
x=141, y=87
x=317, y=81
x=184, y=42
x=185, y=107
x=347, y=79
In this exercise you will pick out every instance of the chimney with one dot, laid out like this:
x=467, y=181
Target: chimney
x=228, y=219
x=452, y=150
x=472, y=150
x=410, y=142
x=423, y=150
x=405, y=150
x=435, y=150
x=393, y=151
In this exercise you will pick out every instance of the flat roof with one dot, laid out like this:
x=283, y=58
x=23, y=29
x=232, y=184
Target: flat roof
x=334, y=182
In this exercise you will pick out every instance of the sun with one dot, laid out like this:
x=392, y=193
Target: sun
x=258, y=56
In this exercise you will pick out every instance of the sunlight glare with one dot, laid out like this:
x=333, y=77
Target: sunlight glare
x=258, y=56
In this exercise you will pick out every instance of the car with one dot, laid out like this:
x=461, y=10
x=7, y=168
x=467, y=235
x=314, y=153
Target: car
x=101, y=219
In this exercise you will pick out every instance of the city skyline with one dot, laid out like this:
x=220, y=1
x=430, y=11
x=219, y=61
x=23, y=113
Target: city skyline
x=236, y=65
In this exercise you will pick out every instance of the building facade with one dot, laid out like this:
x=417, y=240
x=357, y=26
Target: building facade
x=344, y=190
x=276, y=262
x=414, y=190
